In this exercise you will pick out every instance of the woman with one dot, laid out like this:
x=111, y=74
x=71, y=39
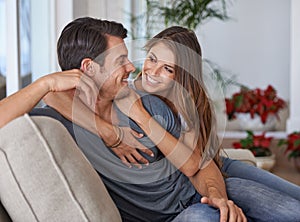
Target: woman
x=176, y=75
x=193, y=84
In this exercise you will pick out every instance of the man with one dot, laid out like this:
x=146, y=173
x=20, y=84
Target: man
x=158, y=192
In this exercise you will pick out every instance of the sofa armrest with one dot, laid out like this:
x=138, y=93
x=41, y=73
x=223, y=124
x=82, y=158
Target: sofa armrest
x=45, y=177
x=243, y=155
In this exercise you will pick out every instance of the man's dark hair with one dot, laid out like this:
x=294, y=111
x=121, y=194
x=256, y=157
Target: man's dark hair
x=85, y=38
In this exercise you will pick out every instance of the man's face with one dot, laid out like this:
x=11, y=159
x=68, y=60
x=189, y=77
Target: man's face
x=112, y=76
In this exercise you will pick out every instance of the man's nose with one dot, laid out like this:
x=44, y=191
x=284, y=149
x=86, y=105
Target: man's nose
x=130, y=67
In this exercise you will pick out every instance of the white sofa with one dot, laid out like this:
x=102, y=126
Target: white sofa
x=45, y=177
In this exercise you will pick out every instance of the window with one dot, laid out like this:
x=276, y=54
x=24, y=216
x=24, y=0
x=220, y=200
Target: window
x=25, y=44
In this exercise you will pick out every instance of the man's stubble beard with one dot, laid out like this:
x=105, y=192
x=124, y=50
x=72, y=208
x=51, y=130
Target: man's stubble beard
x=122, y=93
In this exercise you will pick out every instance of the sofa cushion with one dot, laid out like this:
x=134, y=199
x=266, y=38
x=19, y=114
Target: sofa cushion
x=243, y=155
x=45, y=177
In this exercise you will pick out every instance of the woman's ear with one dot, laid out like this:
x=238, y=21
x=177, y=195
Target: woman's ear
x=87, y=67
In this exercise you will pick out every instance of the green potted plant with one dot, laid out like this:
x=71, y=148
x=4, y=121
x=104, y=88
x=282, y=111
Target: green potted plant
x=292, y=144
x=192, y=13
x=260, y=104
x=259, y=145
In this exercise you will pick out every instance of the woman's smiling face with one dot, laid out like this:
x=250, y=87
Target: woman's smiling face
x=158, y=70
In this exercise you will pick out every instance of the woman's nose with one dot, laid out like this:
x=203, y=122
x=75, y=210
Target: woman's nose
x=155, y=70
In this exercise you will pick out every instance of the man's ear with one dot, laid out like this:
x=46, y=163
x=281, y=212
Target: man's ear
x=87, y=67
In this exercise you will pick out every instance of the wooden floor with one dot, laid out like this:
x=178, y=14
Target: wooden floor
x=285, y=168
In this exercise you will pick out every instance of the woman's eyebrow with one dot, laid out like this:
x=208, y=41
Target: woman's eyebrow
x=153, y=55
x=171, y=66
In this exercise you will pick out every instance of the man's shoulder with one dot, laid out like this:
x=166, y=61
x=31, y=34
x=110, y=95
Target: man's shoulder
x=46, y=111
x=50, y=112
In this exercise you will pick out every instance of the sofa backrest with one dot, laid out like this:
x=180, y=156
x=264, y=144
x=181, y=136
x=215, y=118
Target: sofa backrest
x=45, y=176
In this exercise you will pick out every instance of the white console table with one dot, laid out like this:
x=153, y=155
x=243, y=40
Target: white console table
x=243, y=134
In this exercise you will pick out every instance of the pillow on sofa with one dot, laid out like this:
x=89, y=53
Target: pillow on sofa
x=45, y=177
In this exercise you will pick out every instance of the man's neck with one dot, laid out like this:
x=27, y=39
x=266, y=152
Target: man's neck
x=104, y=109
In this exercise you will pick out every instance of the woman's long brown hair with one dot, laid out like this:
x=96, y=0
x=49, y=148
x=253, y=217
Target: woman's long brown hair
x=192, y=100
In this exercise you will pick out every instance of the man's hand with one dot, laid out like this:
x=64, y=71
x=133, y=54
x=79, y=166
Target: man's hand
x=228, y=210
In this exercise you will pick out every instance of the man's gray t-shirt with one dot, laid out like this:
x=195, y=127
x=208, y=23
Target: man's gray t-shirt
x=157, y=192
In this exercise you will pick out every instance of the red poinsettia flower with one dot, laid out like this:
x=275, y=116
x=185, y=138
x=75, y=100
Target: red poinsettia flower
x=292, y=144
x=257, y=144
x=256, y=101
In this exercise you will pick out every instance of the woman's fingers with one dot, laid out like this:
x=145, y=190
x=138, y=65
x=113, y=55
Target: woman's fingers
x=137, y=159
x=139, y=145
x=147, y=151
x=133, y=161
x=130, y=156
x=121, y=156
x=136, y=134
